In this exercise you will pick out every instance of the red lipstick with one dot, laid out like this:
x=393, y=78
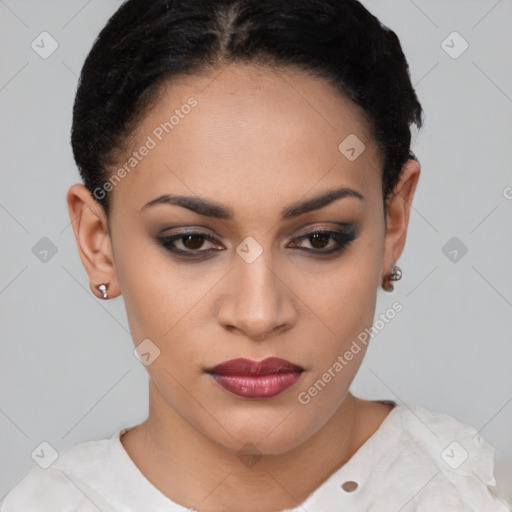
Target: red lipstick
x=256, y=379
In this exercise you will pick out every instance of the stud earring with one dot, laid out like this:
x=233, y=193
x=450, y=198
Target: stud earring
x=103, y=289
x=395, y=275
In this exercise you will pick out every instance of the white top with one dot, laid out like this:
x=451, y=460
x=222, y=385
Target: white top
x=418, y=460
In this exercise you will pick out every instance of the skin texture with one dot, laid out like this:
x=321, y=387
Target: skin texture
x=258, y=141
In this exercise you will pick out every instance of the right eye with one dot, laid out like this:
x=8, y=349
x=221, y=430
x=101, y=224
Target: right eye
x=191, y=241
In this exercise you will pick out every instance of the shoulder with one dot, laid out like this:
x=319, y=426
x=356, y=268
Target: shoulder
x=63, y=483
x=447, y=460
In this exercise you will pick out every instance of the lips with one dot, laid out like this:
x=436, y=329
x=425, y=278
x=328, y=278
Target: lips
x=256, y=379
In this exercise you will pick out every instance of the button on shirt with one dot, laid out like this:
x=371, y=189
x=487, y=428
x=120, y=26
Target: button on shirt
x=417, y=460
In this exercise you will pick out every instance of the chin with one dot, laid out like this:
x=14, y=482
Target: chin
x=271, y=435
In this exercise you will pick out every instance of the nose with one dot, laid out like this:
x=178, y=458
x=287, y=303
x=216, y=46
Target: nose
x=258, y=302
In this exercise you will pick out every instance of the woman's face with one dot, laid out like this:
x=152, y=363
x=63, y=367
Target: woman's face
x=247, y=147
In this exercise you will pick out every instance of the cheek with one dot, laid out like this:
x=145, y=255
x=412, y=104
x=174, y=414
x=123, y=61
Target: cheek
x=163, y=300
x=341, y=304
x=146, y=285
x=341, y=295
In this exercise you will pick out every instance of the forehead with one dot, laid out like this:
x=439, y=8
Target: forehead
x=244, y=128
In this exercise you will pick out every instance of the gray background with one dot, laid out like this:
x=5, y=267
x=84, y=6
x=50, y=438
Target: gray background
x=66, y=363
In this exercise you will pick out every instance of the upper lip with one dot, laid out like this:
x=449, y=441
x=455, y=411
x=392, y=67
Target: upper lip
x=269, y=366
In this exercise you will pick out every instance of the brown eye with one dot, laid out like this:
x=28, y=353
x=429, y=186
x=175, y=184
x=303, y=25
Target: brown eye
x=193, y=242
x=188, y=244
x=319, y=240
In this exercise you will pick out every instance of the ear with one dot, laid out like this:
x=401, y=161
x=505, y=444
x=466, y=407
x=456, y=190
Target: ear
x=93, y=240
x=398, y=212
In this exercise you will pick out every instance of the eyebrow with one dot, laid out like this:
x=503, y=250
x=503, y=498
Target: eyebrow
x=218, y=211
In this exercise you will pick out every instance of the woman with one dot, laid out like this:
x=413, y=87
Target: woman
x=248, y=180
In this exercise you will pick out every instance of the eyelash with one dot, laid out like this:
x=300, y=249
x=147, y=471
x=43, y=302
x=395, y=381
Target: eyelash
x=342, y=237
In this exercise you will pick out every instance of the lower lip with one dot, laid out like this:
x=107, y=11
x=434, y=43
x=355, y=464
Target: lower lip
x=263, y=386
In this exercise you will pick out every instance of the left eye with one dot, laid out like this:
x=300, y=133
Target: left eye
x=319, y=240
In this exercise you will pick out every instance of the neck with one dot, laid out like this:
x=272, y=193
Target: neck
x=195, y=471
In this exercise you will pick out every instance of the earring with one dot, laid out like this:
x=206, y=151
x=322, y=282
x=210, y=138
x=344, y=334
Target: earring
x=395, y=275
x=103, y=289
